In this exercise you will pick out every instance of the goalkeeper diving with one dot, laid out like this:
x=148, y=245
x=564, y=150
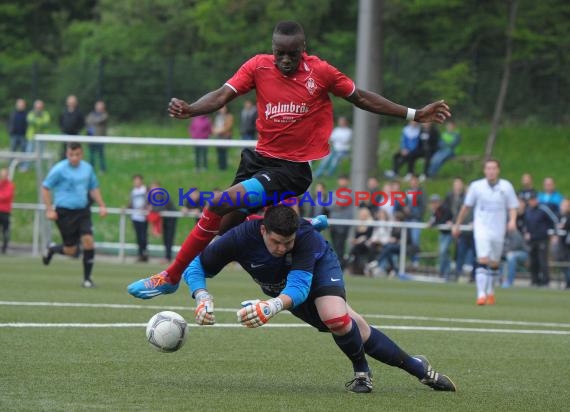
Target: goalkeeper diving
x=296, y=267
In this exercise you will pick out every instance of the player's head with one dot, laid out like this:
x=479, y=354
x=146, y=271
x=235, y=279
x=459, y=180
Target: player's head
x=280, y=224
x=492, y=170
x=288, y=46
x=74, y=153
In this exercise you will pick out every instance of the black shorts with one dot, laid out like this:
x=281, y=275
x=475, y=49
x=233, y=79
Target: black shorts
x=73, y=223
x=277, y=176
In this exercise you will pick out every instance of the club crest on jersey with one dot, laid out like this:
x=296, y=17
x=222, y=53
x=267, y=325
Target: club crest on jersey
x=311, y=85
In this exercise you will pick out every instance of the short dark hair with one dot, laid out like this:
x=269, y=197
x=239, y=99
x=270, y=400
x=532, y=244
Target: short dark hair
x=491, y=159
x=288, y=28
x=281, y=219
x=137, y=176
x=73, y=145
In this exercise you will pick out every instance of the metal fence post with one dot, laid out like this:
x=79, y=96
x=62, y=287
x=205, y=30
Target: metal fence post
x=403, y=251
x=122, y=230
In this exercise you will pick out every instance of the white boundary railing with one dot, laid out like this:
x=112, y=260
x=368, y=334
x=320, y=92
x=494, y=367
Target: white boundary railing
x=121, y=245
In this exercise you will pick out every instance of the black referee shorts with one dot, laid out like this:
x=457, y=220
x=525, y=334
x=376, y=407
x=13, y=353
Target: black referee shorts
x=73, y=223
x=277, y=176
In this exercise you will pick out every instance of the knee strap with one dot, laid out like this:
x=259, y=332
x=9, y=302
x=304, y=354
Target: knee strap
x=339, y=323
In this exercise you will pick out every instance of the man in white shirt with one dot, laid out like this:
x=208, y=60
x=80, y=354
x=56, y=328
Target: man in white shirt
x=340, y=141
x=493, y=200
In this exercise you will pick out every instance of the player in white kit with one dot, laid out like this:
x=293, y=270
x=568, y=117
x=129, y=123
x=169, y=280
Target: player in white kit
x=491, y=199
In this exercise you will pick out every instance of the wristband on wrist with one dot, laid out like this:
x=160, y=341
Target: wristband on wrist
x=278, y=304
x=411, y=114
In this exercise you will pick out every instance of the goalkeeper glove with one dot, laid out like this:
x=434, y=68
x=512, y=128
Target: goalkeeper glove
x=255, y=313
x=204, y=308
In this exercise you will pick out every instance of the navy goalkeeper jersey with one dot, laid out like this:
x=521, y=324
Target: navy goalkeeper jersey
x=244, y=244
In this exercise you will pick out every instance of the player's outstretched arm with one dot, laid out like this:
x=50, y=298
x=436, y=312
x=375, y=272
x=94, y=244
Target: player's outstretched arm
x=208, y=103
x=434, y=112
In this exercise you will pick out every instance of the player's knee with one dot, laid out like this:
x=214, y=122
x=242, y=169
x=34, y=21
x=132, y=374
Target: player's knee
x=87, y=242
x=340, y=325
x=69, y=250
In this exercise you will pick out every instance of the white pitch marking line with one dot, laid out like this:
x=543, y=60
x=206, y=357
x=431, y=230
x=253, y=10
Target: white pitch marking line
x=395, y=317
x=286, y=325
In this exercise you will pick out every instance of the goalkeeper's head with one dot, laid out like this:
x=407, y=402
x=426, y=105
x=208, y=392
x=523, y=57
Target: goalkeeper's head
x=280, y=224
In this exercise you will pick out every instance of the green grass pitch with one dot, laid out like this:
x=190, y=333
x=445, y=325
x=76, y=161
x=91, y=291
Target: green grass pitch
x=284, y=369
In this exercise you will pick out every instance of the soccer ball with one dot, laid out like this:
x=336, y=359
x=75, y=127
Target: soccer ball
x=167, y=331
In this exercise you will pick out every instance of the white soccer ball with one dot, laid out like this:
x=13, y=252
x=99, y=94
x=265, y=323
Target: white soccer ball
x=167, y=331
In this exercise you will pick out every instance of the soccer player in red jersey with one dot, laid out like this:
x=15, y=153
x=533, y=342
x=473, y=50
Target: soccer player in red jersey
x=294, y=124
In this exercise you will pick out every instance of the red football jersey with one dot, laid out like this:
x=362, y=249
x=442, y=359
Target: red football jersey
x=295, y=116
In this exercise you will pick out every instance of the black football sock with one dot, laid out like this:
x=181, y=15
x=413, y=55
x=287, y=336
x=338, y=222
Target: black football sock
x=88, y=258
x=384, y=349
x=352, y=346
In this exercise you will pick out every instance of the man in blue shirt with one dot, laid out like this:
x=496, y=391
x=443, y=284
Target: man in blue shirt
x=297, y=268
x=66, y=192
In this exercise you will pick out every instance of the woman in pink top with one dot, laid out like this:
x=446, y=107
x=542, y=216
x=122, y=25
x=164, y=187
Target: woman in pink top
x=201, y=128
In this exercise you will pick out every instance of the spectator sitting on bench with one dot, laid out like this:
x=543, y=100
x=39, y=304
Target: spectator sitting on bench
x=409, y=149
x=429, y=143
x=449, y=141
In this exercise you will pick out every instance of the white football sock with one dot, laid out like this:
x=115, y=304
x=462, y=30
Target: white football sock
x=481, y=281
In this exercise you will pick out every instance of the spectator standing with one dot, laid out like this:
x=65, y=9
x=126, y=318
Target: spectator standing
x=223, y=124
x=415, y=209
x=7, y=189
x=320, y=200
x=360, y=250
x=538, y=220
x=409, y=149
x=248, y=118
x=340, y=141
x=168, y=224
x=564, y=238
x=448, y=142
x=201, y=128
x=66, y=192
x=464, y=244
x=138, y=202
x=17, y=127
x=527, y=187
x=550, y=196
x=97, y=122
x=441, y=215
x=71, y=120
x=516, y=249
x=339, y=234
x=38, y=121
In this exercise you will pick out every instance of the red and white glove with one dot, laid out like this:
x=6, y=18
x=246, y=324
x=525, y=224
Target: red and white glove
x=255, y=313
x=204, y=308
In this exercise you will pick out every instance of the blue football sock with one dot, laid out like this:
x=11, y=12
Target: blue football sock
x=382, y=348
x=352, y=346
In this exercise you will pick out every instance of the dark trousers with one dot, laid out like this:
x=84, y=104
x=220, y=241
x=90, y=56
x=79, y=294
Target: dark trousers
x=141, y=230
x=168, y=231
x=222, y=158
x=399, y=160
x=539, y=262
x=97, y=151
x=426, y=154
x=201, y=157
x=339, y=234
x=5, y=229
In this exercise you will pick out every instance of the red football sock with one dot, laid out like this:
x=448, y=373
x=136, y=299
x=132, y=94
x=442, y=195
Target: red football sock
x=204, y=231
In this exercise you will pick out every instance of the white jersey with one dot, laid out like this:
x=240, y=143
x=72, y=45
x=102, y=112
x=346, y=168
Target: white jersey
x=490, y=207
x=340, y=138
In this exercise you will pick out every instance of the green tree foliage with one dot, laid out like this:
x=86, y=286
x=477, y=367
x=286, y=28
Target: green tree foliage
x=138, y=53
